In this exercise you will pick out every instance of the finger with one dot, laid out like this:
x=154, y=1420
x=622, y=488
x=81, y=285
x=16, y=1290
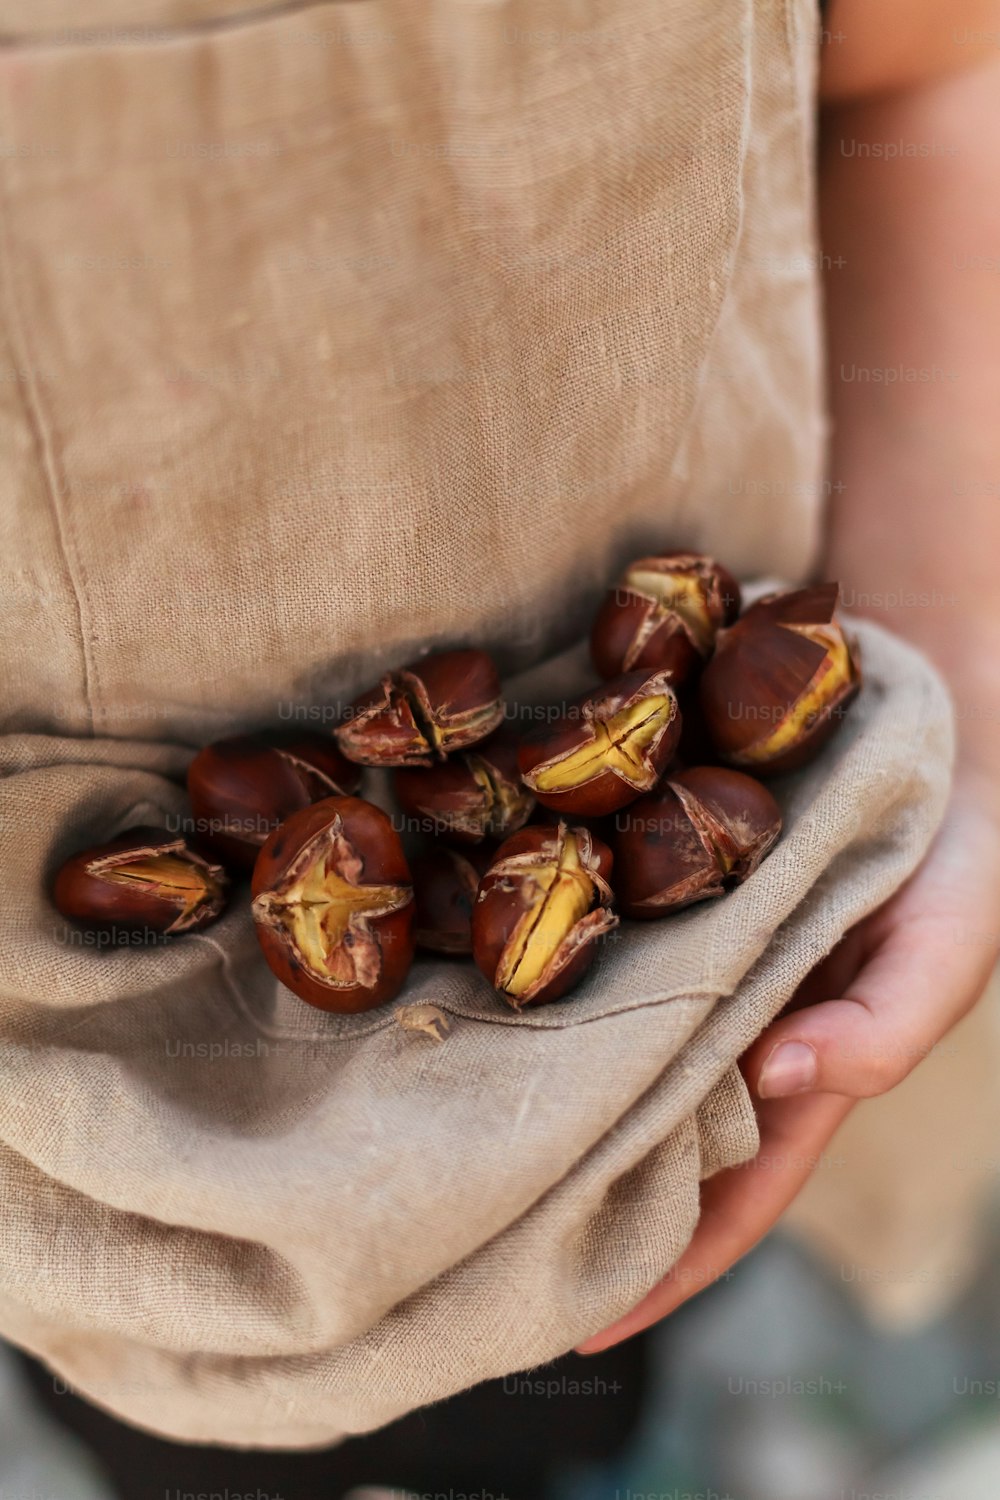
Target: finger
x=916, y=985
x=738, y=1207
x=834, y=973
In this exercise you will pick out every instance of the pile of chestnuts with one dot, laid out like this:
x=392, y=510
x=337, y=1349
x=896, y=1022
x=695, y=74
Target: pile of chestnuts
x=641, y=797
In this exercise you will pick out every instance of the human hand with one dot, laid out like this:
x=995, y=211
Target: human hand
x=902, y=979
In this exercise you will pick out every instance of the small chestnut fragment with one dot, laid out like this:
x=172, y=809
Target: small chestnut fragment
x=780, y=681
x=663, y=615
x=699, y=835
x=611, y=747
x=429, y=1020
x=542, y=905
x=445, y=885
x=242, y=788
x=146, y=877
x=475, y=796
x=333, y=905
x=425, y=711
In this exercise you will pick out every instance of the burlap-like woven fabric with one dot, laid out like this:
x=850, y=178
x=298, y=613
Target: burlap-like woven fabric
x=365, y=327
x=327, y=335
x=231, y=1217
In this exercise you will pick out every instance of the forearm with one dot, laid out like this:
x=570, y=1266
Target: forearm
x=912, y=251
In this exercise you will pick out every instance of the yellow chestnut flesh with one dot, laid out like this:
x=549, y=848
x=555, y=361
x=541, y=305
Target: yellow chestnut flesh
x=503, y=796
x=176, y=880
x=564, y=893
x=319, y=912
x=677, y=594
x=835, y=674
x=619, y=745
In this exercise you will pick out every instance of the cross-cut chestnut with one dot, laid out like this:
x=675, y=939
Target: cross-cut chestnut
x=780, y=681
x=424, y=712
x=701, y=833
x=145, y=878
x=242, y=788
x=474, y=796
x=445, y=884
x=333, y=905
x=664, y=613
x=542, y=906
x=608, y=749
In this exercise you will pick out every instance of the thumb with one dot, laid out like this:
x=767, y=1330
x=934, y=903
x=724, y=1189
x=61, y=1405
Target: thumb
x=913, y=988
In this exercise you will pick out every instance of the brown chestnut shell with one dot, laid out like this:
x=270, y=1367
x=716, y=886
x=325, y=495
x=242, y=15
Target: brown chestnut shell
x=475, y=796
x=242, y=788
x=333, y=905
x=663, y=614
x=780, y=681
x=144, y=878
x=700, y=834
x=425, y=711
x=445, y=886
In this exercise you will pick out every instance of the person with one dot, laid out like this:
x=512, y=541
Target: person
x=909, y=173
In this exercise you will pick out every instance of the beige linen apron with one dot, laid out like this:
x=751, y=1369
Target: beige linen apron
x=331, y=332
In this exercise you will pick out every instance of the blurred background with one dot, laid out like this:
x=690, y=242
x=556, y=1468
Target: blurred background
x=846, y=1359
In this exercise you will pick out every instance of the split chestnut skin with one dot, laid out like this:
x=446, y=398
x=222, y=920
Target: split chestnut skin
x=542, y=907
x=144, y=878
x=242, y=788
x=333, y=905
x=701, y=833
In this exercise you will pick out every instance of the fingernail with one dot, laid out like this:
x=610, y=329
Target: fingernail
x=790, y=1069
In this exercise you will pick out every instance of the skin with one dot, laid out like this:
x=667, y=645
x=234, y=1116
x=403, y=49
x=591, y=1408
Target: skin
x=916, y=509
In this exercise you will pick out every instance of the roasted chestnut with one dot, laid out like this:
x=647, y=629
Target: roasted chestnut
x=333, y=905
x=542, y=906
x=663, y=614
x=242, y=788
x=780, y=681
x=424, y=712
x=698, y=835
x=474, y=796
x=145, y=878
x=609, y=748
x=445, y=884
